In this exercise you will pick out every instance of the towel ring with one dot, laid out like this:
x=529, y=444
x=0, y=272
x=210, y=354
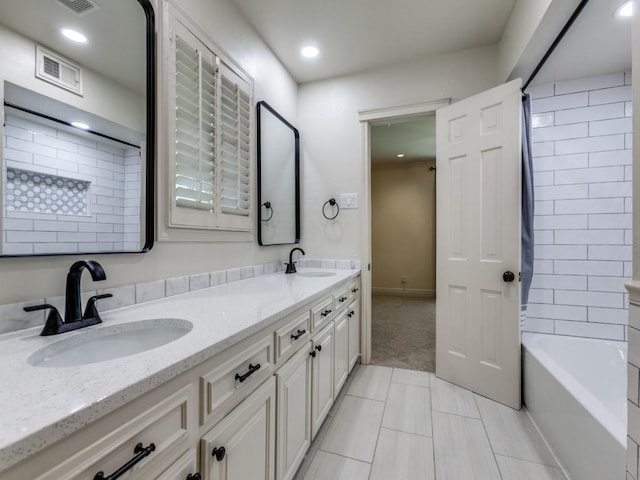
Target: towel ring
x=268, y=206
x=332, y=202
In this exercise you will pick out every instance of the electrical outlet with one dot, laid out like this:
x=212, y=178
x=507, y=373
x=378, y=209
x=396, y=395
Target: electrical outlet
x=403, y=279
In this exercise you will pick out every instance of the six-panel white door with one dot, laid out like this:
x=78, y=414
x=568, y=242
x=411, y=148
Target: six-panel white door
x=478, y=240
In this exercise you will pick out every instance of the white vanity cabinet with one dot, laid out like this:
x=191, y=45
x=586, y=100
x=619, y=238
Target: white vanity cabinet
x=353, y=319
x=321, y=377
x=341, y=350
x=242, y=445
x=249, y=412
x=293, y=413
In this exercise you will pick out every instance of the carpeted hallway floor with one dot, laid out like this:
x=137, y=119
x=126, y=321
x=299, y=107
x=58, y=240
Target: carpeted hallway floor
x=404, y=332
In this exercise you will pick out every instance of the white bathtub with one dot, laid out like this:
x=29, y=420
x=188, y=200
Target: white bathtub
x=575, y=391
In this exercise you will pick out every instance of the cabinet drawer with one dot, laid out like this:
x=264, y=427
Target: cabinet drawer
x=241, y=373
x=321, y=314
x=341, y=296
x=353, y=288
x=292, y=336
x=165, y=426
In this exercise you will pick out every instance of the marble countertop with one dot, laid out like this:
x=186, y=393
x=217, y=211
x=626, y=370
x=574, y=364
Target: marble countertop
x=39, y=406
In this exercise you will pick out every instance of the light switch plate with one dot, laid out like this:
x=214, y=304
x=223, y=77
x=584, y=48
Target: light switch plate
x=348, y=200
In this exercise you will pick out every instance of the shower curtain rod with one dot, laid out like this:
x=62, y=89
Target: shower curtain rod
x=556, y=42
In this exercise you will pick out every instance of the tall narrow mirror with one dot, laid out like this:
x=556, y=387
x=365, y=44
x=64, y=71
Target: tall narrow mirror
x=278, y=178
x=77, y=151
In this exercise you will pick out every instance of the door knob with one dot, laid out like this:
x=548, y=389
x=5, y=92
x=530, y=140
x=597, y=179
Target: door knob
x=508, y=276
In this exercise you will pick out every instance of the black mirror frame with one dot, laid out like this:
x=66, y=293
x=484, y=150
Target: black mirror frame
x=296, y=135
x=149, y=185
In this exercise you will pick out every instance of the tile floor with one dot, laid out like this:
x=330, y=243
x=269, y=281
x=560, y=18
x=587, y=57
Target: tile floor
x=395, y=424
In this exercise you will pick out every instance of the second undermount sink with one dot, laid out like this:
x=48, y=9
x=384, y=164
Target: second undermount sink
x=108, y=343
x=317, y=273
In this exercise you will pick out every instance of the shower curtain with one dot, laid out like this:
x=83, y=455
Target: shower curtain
x=526, y=261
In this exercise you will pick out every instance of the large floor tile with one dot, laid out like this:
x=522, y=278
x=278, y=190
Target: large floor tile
x=462, y=450
x=512, y=433
x=514, y=469
x=327, y=466
x=449, y=398
x=354, y=429
x=402, y=456
x=408, y=409
x=411, y=377
x=371, y=382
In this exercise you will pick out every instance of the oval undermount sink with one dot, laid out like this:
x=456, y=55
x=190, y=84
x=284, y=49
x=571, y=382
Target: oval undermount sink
x=325, y=273
x=108, y=343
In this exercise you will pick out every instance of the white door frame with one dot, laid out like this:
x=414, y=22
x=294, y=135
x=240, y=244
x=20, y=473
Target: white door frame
x=367, y=117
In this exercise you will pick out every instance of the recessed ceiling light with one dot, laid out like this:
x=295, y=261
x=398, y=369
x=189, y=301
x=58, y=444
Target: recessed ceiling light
x=400, y=155
x=625, y=10
x=74, y=35
x=309, y=51
x=80, y=125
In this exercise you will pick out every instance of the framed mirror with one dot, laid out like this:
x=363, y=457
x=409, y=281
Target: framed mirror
x=278, y=178
x=77, y=79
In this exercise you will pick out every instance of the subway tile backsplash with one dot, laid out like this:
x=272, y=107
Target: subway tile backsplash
x=75, y=198
x=582, y=175
x=14, y=318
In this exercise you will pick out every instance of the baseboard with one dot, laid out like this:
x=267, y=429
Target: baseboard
x=404, y=292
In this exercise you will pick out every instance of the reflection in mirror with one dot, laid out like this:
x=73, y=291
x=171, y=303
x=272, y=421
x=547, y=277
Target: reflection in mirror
x=77, y=137
x=278, y=178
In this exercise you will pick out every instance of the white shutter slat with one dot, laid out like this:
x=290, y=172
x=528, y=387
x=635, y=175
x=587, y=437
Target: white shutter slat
x=195, y=126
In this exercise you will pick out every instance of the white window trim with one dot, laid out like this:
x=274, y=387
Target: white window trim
x=242, y=231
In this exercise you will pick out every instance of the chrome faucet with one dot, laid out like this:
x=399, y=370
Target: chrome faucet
x=291, y=266
x=73, y=317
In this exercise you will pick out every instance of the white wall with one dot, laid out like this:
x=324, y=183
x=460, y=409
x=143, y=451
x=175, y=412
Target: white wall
x=31, y=278
x=331, y=136
x=582, y=163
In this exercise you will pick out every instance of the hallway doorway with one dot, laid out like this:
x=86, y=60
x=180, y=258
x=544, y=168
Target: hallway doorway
x=403, y=243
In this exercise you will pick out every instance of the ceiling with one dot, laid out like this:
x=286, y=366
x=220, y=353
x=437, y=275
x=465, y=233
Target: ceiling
x=356, y=35
x=116, y=30
x=415, y=137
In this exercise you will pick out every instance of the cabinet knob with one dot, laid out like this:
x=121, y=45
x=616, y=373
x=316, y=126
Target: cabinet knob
x=194, y=476
x=219, y=453
x=313, y=354
x=319, y=348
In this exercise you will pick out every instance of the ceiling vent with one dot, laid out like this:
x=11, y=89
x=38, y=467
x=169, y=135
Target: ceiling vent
x=54, y=69
x=80, y=7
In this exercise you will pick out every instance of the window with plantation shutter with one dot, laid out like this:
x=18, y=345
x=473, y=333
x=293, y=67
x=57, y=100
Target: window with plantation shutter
x=210, y=139
x=235, y=161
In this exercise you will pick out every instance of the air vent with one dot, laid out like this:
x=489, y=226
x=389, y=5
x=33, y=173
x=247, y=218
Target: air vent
x=54, y=69
x=80, y=7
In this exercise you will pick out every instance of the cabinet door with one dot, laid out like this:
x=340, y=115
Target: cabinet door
x=353, y=316
x=242, y=445
x=341, y=352
x=293, y=414
x=322, y=377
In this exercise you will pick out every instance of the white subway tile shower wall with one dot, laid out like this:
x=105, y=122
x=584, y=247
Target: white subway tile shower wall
x=112, y=221
x=582, y=171
x=14, y=318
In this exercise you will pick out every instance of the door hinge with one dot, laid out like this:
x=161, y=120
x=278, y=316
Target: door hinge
x=519, y=276
x=369, y=267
